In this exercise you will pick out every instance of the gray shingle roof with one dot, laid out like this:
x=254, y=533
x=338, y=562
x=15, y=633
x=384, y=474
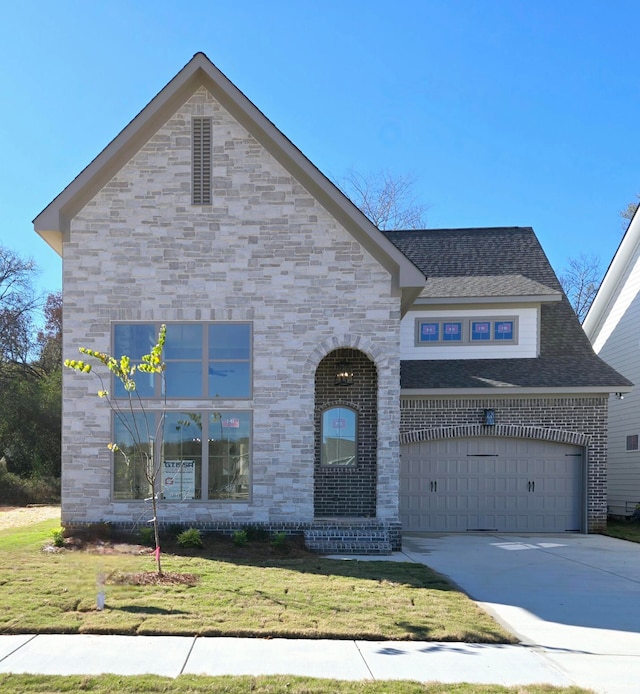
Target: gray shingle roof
x=489, y=286
x=475, y=258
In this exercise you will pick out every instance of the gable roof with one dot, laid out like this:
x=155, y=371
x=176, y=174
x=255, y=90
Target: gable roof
x=619, y=270
x=506, y=263
x=53, y=222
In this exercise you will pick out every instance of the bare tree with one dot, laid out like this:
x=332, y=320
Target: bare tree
x=17, y=304
x=581, y=280
x=387, y=200
x=629, y=211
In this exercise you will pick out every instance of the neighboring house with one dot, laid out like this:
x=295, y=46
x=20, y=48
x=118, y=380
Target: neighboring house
x=613, y=327
x=288, y=316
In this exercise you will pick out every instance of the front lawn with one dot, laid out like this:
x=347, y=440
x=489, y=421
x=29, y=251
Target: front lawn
x=623, y=530
x=250, y=592
x=190, y=684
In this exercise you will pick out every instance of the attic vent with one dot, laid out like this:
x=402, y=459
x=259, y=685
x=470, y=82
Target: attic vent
x=201, y=164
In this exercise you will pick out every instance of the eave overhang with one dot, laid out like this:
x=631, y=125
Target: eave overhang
x=513, y=391
x=484, y=300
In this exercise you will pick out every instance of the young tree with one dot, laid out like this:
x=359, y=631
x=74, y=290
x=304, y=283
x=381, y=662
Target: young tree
x=387, y=200
x=581, y=281
x=146, y=440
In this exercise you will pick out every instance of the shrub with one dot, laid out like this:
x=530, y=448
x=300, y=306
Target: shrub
x=147, y=536
x=190, y=538
x=58, y=537
x=279, y=540
x=15, y=490
x=240, y=538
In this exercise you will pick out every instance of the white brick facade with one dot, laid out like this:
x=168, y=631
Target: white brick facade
x=265, y=251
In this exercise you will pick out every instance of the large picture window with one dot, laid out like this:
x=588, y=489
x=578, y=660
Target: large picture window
x=203, y=360
x=458, y=331
x=204, y=455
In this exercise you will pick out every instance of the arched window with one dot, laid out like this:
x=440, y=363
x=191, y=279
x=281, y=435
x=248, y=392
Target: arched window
x=339, y=440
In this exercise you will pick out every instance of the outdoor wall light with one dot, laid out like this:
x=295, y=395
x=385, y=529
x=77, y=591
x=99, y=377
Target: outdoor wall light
x=489, y=418
x=344, y=374
x=619, y=396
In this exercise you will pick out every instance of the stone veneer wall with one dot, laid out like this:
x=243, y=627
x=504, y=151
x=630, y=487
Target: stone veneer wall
x=264, y=251
x=579, y=420
x=348, y=491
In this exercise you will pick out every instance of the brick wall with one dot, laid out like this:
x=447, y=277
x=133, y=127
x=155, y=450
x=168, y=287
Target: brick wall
x=348, y=491
x=577, y=420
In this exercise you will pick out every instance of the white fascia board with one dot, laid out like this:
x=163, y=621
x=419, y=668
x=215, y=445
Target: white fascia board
x=616, y=271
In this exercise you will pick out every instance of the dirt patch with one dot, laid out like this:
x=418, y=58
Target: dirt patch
x=19, y=516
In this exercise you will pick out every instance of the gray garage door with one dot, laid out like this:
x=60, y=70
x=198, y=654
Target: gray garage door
x=508, y=485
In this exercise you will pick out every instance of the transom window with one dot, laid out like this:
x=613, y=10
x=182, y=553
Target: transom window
x=466, y=331
x=203, y=360
x=339, y=440
x=204, y=455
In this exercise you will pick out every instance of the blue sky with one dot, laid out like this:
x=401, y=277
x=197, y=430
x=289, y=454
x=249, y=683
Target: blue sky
x=507, y=112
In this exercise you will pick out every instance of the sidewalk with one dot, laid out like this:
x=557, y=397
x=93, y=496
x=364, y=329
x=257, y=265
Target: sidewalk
x=170, y=656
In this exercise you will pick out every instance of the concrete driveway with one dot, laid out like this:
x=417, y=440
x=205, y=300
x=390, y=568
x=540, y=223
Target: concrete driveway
x=574, y=598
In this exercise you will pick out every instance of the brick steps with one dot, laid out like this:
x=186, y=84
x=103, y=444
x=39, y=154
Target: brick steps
x=348, y=539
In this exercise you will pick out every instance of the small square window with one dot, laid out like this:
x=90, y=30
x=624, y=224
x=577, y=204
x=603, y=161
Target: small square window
x=503, y=330
x=632, y=442
x=480, y=330
x=429, y=332
x=452, y=332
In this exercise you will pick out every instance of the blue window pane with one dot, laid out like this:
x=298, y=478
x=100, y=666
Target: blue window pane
x=183, y=342
x=134, y=340
x=339, y=437
x=452, y=332
x=184, y=379
x=480, y=330
x=429, y=332
x=229, y=341
x=229, y=379
x=503, y=330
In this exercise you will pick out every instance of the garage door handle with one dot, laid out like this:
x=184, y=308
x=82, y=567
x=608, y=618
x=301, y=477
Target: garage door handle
x=532, y=486
x=433, y=486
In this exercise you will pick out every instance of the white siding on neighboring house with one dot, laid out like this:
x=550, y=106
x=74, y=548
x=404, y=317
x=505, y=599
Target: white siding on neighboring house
x=526, y=347
x=618, y=343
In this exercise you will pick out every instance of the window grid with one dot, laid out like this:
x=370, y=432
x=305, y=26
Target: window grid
x=208, y=372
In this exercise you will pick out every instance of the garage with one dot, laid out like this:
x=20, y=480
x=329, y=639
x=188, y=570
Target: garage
x=491, y=484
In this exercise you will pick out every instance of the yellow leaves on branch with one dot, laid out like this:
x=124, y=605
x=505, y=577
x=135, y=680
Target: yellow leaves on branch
x=122, y=368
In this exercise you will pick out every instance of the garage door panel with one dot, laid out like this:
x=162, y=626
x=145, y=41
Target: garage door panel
x=510, y=485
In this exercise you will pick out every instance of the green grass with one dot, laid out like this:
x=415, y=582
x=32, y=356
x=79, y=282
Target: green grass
x=624, y=530
x=191, y=684
x=243, y=593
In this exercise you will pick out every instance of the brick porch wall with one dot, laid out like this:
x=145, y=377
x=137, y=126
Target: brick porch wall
x=347, y=491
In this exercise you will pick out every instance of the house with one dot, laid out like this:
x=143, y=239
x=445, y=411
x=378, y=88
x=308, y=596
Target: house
x=307, y=352
x=612, y=325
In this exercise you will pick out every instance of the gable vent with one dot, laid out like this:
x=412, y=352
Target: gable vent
x=201, y=161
